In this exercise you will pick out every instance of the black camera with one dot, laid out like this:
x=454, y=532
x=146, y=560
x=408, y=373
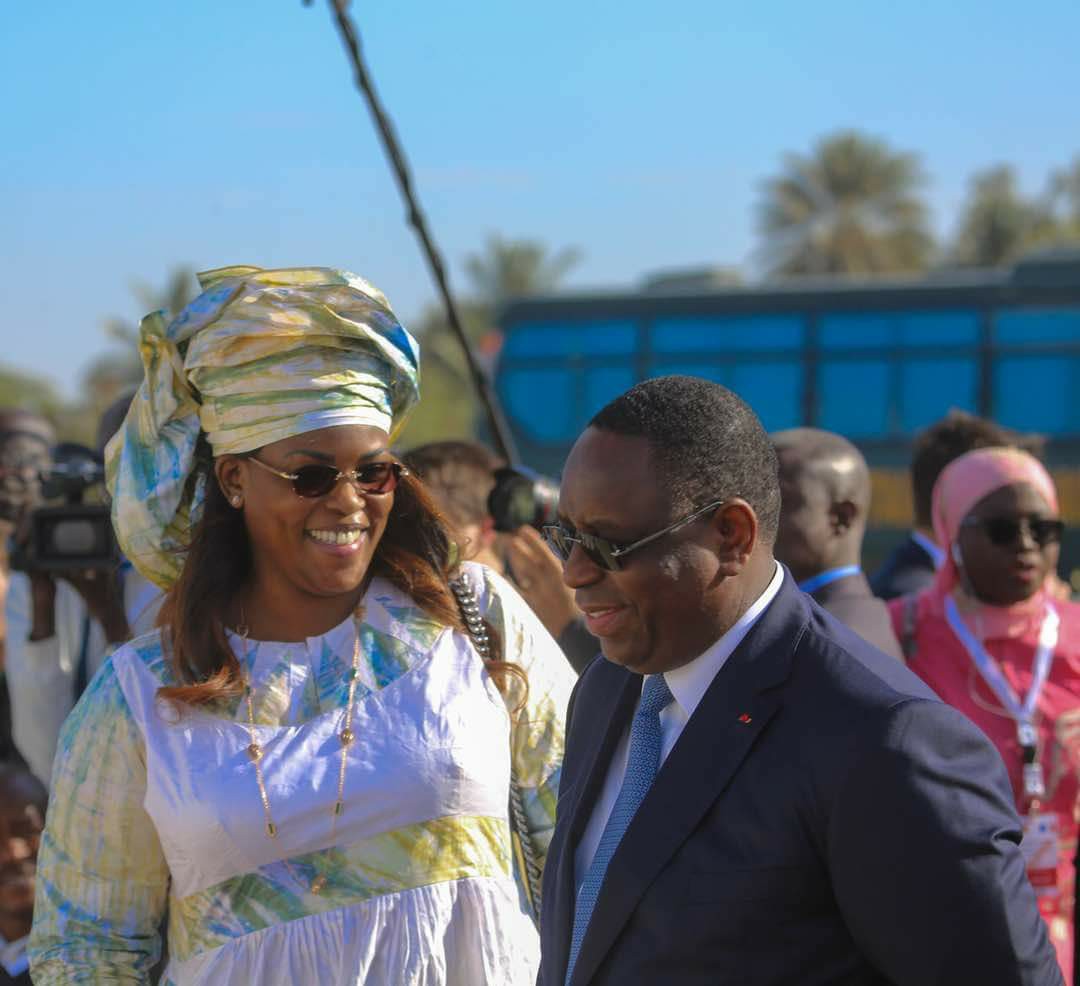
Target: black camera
x=522, y=498
x=74, y=535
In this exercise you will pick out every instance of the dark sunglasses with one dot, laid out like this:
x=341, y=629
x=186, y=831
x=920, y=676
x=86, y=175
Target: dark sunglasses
x=373, y=478
x=605, y=553
x=1004, y=531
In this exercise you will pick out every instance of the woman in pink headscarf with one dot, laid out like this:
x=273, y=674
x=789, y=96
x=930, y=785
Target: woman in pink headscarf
x=991, y=638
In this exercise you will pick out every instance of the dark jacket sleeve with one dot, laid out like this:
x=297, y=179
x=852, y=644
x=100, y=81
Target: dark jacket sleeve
x=923, y=847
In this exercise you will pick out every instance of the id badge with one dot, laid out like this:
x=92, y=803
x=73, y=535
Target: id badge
x=1040, y=850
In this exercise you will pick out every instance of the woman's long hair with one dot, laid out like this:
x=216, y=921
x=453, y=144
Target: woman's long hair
x=416, y=554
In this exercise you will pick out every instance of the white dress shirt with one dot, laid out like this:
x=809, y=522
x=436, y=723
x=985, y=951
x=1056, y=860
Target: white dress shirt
x=688, y=685
x=13, y=957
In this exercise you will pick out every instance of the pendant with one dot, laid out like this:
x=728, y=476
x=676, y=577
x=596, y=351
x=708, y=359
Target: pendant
x=1034, y=782
x=254, y=752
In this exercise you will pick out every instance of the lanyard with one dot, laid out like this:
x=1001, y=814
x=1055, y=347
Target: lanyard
x=1023, y=713
x=823, y=579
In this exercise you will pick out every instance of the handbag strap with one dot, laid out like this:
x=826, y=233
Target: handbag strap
x=470, y=611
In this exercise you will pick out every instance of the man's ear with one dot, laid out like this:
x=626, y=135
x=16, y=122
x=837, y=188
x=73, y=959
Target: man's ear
x=842, y=516
x=488, y=534
x=735, y=535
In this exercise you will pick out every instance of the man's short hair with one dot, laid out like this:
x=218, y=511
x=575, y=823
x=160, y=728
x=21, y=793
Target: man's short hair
x=707, y=441
x=958, y=432
x=460, y=475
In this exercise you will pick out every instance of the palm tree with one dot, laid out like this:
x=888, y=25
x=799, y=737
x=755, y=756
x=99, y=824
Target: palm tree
x=512, y=268
x=1064, y=201
x=853, y=206
x=120, y=368
x=998, y=223
x=502, y=270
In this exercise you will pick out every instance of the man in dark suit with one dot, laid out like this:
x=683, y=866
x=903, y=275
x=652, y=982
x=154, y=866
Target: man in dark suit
x=751, y=794
x=825, y=500
x=911, y=565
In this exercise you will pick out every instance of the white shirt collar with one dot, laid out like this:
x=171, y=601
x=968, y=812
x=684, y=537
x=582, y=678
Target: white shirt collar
x=937, y=556
x=13, y=956
x=690, y=682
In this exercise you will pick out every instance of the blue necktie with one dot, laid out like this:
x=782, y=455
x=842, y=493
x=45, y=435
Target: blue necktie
x=642, y=764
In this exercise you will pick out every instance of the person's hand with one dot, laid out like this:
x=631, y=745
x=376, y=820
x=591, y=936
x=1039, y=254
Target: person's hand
x=538, y=575
x=104, y=598
x=42, y=606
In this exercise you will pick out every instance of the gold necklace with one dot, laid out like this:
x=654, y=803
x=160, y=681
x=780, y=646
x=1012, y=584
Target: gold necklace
x=255, y=750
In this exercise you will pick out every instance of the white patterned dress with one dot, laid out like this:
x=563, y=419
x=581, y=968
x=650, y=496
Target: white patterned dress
x=157, y=817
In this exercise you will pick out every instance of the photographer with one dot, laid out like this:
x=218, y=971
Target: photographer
x=462, y=476
x=58, y=627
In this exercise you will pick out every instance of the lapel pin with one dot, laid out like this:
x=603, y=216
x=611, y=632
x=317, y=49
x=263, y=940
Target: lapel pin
x=745, y=719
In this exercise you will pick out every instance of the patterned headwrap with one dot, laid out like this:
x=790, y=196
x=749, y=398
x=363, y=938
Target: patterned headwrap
x=259, y=356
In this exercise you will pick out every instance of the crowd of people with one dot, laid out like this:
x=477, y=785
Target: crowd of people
x=325, y=723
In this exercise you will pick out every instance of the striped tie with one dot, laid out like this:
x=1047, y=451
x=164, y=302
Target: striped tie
x=642, y=764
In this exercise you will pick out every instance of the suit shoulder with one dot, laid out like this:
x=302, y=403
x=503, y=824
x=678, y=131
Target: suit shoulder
x=833, y=662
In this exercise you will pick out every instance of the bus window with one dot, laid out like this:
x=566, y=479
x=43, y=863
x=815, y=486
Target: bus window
x=727, y=334
x=773, y=388
x=1034, y=325
x=603, y=384
x=930, y=388
x=880, y=330
x=541, y=402
x=1038, y=393
x=599, y=337
x=853, y=397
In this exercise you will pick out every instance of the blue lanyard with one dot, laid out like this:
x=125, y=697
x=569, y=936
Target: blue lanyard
x=816, y=582
x=1022, y=712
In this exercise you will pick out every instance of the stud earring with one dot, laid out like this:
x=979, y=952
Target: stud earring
x=236, y=500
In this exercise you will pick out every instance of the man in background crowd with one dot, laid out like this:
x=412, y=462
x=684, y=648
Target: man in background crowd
x=59, y=628
x=22, y=818
x=912, y=564
x=461, y=475
x=825, y=496
x=25, y=443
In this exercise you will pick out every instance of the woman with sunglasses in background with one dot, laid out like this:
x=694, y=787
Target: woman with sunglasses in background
x=993, y=639
x=305, y=774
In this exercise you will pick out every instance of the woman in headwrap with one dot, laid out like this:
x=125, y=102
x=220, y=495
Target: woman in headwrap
x=304, y=774
x=991, y=638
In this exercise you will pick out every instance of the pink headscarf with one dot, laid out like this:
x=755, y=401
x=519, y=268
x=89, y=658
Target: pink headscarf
x=963, y=483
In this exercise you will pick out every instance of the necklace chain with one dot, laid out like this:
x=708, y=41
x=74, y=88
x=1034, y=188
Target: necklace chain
x=345, y=737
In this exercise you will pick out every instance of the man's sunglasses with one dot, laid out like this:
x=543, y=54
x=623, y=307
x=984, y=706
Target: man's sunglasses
x=605, y=553
x=373, y=478
x=1004, y=531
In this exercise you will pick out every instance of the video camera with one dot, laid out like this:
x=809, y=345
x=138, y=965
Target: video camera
x=74, y=535
x=522, y=498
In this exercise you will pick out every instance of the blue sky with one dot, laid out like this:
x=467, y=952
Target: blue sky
x=137, y=136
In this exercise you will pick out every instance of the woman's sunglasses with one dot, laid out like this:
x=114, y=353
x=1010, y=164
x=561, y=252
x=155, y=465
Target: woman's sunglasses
x=1004, y=531
x=605, y=553
x=373, y=478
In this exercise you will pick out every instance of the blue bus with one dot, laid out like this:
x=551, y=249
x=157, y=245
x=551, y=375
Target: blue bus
x=874, y=360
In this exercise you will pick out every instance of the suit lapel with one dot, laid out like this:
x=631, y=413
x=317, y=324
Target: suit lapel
x=737, y=707
x=600, y=731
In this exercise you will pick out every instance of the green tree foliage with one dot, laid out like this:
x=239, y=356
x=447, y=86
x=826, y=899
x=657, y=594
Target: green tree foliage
x=1064, y=201
x=998, y=223
x=120, y=368
x=110, y=374
x=502, y=270
x=852, y=206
